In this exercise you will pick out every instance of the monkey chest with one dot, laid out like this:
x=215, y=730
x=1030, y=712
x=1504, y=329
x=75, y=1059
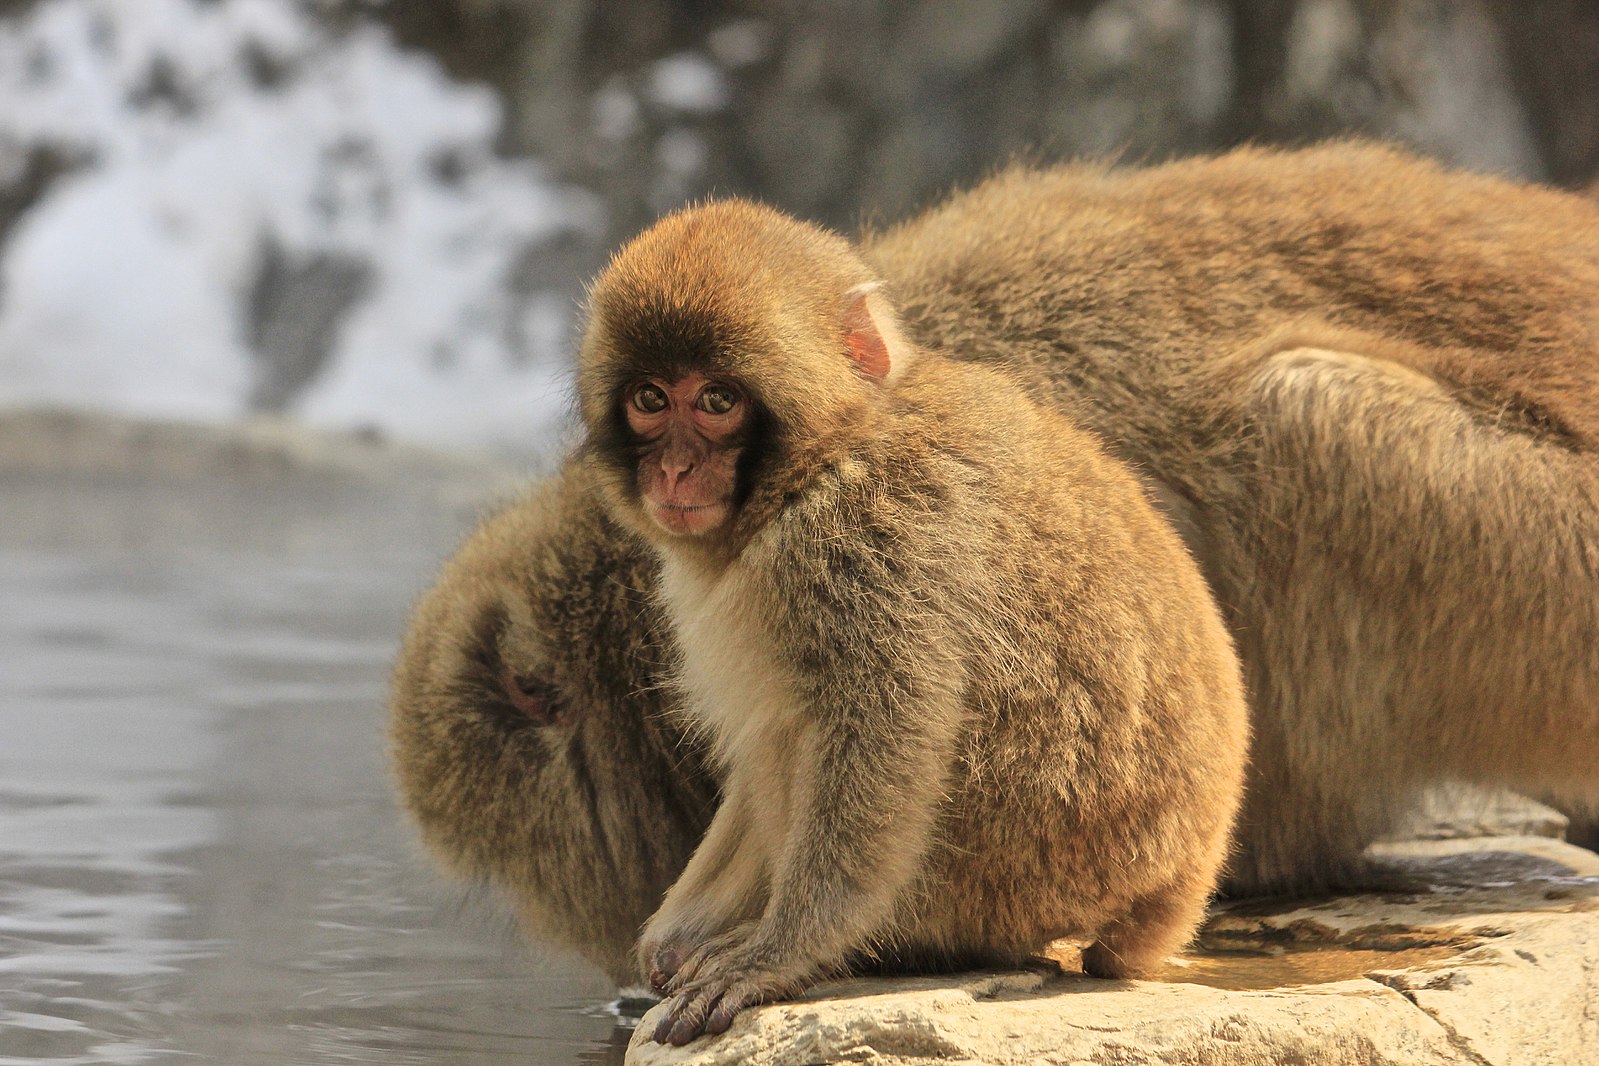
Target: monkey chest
x=736, y=686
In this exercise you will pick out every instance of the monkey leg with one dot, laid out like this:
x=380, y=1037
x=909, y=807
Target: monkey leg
x=1156, y=926
x=1416, y=595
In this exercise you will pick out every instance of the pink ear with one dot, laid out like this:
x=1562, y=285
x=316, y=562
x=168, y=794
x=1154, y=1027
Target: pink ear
x=864, y=340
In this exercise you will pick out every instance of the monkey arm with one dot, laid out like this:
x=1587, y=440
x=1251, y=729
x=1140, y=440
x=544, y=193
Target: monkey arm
x=879, y=692
x=723, y=885
x=882, y=686
x=874, y=770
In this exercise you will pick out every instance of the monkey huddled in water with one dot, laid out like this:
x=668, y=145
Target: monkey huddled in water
x=1361, y=385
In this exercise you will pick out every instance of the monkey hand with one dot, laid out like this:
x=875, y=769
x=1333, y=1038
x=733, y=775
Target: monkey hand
x=672, y=960
x=712, y=986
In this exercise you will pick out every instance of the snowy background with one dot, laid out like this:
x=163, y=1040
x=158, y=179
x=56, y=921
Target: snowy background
x=254, y=213
x=378, y=214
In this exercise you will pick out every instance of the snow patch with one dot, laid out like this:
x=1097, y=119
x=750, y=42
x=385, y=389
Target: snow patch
x=212, y=130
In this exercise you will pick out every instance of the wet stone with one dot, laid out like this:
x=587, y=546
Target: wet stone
x=1491, y=958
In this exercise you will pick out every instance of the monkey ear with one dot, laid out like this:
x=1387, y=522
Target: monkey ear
x=532, y=699
x=870, y=335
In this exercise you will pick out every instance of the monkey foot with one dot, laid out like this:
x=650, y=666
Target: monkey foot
x=709, y=1004
x=709, y=1008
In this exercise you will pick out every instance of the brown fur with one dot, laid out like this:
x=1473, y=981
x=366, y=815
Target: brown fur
x=1380, y=521
x=969, y=692
x=1371, y=389
x=583, y=821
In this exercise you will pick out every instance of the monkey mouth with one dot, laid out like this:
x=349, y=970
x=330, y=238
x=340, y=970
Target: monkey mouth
x=689, y=519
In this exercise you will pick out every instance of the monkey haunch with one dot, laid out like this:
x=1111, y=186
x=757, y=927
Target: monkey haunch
x=968, y=691
x=1369, y=389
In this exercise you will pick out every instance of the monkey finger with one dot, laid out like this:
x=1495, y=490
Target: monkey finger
x=702, y=958
x=685, y=1017
x=732, y=1002
x=684, y=974
x=665, y=964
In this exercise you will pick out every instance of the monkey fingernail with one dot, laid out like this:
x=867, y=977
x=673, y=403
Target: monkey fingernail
x=723, y=1015
x=690, y=1015
x=663, y=1030
x=689, y=1026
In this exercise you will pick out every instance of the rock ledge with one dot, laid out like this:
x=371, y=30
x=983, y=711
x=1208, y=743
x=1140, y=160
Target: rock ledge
x=1485, y=951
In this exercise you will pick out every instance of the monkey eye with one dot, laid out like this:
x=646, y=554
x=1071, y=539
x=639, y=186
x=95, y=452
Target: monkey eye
x=651, y=399
x=718, y=400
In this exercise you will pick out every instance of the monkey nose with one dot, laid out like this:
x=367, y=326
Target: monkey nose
x=676, y=470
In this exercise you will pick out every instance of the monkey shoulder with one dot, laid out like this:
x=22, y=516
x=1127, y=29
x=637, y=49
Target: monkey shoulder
x=921, y=497
x=996, y=435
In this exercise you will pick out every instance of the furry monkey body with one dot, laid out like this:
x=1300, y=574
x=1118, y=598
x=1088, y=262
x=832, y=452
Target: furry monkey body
x=1367, y=387
x=968, y=691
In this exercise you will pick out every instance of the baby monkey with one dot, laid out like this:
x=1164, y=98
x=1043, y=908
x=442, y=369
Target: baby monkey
x=967, y=692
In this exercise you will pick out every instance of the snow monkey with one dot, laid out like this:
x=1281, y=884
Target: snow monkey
x=529, y=730
x=1364, y=388
x=967, y=689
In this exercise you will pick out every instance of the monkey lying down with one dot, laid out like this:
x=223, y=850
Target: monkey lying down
x=1363, y=388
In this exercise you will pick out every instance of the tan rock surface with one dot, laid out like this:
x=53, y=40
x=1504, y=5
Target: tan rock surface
x=1486, y=952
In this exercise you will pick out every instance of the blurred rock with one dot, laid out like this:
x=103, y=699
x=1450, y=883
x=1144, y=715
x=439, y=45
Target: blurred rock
x=25, y=176
x=352, y=172
x=296, y=305
x=833, y=109
x=1553, y=52
x=1431, y=74
x=50, y=445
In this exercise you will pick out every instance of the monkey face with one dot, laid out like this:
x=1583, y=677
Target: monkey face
x=689, y=433
x=728, y=351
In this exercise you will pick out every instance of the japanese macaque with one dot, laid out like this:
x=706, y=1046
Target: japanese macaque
x=529, y=736
x=1368, y=389
x=967, y=690
x=1362, y=385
